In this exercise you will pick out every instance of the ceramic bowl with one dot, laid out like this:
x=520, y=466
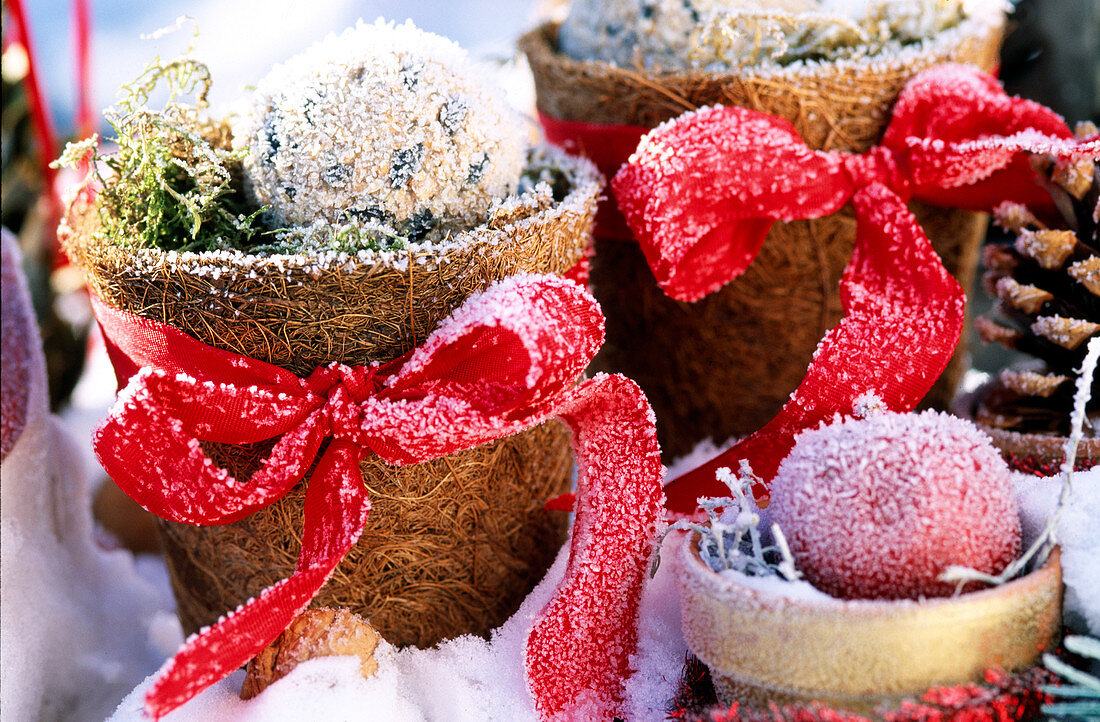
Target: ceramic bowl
x=860, y=654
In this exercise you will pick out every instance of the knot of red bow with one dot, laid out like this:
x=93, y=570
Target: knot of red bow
x=507, y=359
x=878, y=165
x=701, y=192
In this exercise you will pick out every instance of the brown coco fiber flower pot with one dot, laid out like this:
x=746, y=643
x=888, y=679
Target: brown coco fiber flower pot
x=860, y=654
x=452, y=546
x=725, y=365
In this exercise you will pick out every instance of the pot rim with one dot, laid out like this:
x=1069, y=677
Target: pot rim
x=860, y=654
x=987, y=18
x=586, y=185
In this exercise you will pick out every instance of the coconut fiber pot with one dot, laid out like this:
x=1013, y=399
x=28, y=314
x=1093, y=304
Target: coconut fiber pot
x=724, y=366
x=452, y=546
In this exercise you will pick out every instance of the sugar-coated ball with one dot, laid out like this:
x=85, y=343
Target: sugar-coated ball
x=382, y=124
x=878, y=508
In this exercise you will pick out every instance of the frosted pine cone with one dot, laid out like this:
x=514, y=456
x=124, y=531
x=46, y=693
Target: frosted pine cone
x=314, y=633
x=1047, y=283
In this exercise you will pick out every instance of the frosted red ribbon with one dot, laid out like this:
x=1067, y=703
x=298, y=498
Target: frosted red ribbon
x=702, y=191
x=608, y=147
x=505, y=360
x=903, y=314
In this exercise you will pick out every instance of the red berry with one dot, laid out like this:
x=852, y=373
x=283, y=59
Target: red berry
x=878, y=508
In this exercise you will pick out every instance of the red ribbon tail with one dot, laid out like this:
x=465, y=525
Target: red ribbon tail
x=903, y=318
x=336, y=511
x=578, y=653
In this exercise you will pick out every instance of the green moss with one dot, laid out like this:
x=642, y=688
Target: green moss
x=173, y=182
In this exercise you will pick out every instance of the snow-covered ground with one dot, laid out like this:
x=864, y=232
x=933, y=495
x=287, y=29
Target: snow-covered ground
x=467, y=679
x=80, y=624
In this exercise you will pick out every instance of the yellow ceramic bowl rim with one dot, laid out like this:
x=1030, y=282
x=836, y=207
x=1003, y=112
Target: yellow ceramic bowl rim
x=840, y=651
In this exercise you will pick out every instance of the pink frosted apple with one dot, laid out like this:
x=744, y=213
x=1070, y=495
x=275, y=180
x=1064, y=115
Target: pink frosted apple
x=878, y=508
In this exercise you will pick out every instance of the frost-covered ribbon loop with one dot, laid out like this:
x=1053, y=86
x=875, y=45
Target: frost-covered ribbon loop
x=701, y=192
x=505, y=360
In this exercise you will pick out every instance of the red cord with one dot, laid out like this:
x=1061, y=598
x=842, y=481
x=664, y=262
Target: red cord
x=82, y=22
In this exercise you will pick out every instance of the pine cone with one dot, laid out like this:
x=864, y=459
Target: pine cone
x=1047, y=284
x=314, y=633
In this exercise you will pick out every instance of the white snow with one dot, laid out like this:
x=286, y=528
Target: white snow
x=662, y=650
x=1078, y=534
x=81, y=625
x=467, y=679
x=799, y=590
x=700, y=454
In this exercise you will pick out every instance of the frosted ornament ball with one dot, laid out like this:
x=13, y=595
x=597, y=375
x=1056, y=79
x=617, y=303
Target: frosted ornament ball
x=381, y=126
x=720, y=35
x=878, y=508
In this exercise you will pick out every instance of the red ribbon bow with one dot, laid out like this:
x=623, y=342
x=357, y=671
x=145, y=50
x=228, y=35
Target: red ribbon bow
x=702, y=191
x=505, y=360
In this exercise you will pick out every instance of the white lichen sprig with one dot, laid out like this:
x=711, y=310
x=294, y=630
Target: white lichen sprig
x=736, y=545
x=1047, y=539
